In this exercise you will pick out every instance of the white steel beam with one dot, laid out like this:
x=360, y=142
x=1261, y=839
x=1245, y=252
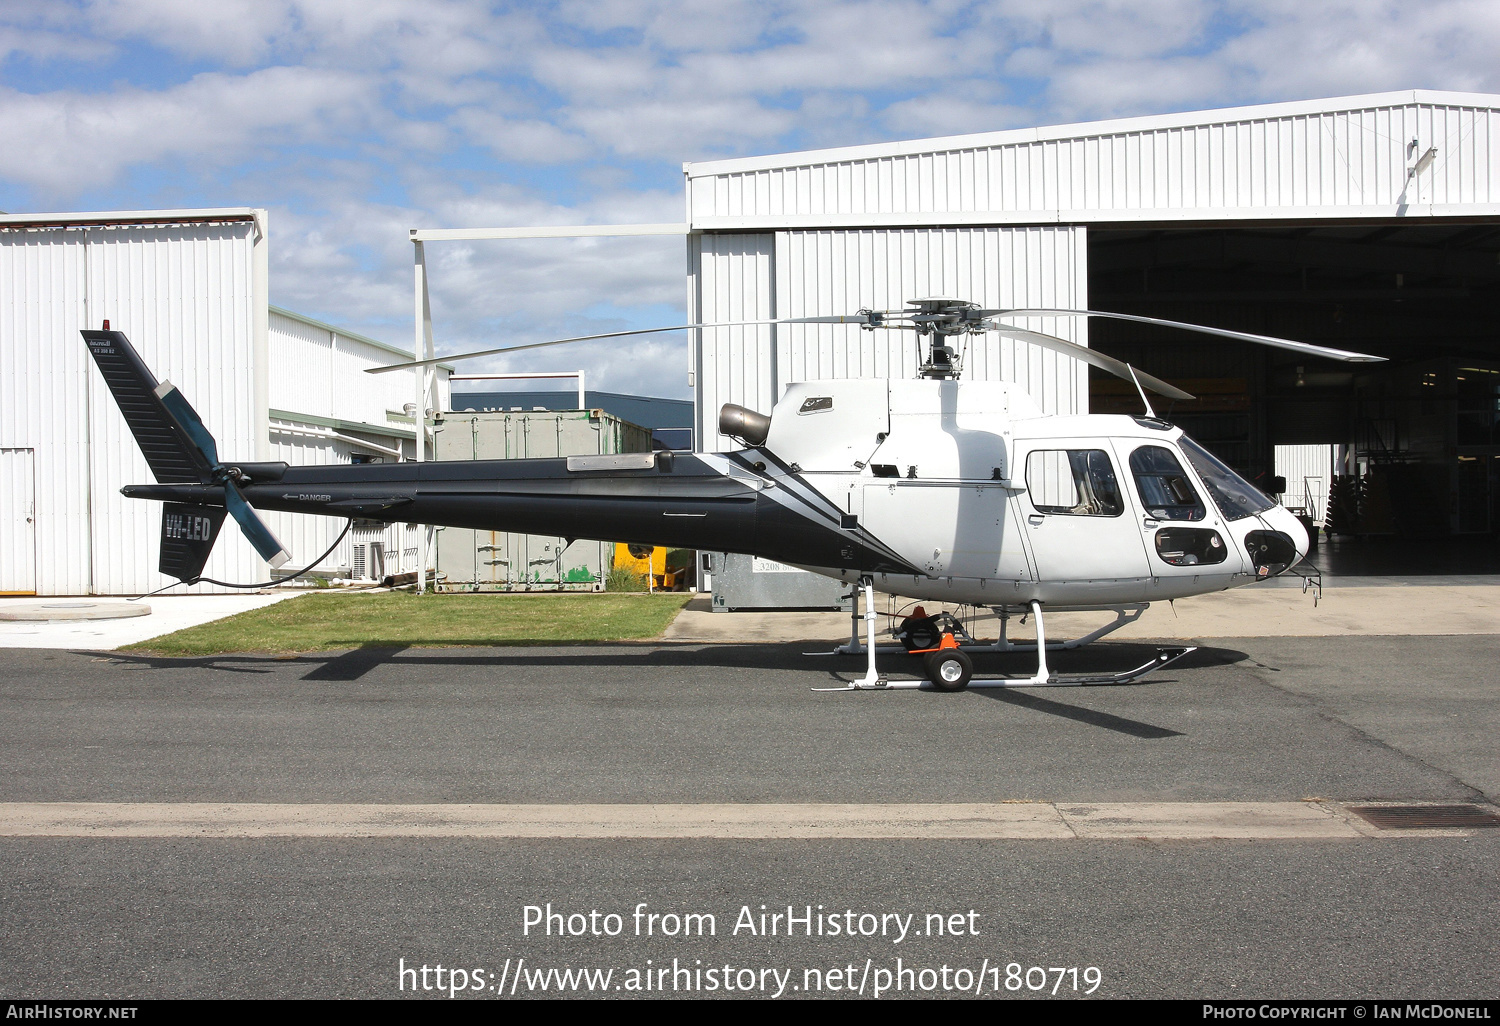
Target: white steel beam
x=421, y=343
x=563, y=231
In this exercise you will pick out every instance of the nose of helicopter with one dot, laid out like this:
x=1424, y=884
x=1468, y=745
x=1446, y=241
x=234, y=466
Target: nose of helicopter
x=1285, y=521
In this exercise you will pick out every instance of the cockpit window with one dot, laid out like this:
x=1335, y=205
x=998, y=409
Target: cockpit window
x=1235, y=497
x=1077, y=481
x=1165, y=490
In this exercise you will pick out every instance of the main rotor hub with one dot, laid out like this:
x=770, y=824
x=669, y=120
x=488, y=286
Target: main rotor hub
x=943, y=316
x=940, y=317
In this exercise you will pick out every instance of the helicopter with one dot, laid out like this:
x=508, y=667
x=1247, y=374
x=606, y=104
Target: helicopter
x=932, y=488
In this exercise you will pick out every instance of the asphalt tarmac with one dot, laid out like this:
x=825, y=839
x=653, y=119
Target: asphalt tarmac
x=1409, y=719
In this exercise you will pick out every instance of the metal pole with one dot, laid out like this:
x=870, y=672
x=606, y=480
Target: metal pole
x=582, y=393
x=419, y=413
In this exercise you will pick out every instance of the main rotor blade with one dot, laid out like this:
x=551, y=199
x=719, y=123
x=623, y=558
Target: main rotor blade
x=833, y=319
x=1242, y=336
x=254, y=529
x=1093, y=358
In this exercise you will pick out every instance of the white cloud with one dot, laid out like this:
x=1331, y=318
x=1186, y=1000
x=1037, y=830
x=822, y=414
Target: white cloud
x=239, y=32
x=944, y=113
x=1289, y=50
x=47, y=44
x=1349, y=47
x=529, y=140
x=61, y=141
x=691, y=128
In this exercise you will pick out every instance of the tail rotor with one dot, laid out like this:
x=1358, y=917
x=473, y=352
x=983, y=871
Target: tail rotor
x=180, y=450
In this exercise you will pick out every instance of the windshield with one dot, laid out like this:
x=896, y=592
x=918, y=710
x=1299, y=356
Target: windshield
x=1235, y=497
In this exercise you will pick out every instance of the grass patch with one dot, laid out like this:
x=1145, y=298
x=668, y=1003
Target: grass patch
x=317, y=623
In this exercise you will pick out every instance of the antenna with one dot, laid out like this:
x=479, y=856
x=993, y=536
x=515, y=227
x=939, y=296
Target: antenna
x=1149, y=411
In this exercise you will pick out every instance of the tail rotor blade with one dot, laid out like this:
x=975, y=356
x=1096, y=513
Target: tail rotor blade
x=254, y=529
x=188, y=420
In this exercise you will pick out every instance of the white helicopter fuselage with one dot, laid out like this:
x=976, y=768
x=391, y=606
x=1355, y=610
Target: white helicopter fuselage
x=998, y=504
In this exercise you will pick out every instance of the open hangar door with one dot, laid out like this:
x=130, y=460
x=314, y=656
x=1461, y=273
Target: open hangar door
x=1422, y=431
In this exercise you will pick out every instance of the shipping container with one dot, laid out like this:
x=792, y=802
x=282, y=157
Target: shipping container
x=469, y=560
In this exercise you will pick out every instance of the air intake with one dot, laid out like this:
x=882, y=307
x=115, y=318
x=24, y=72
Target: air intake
x=746, y=425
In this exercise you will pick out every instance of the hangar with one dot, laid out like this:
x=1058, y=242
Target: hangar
x=1363, y=222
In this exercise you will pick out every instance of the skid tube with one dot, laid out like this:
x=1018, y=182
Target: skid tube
x=1043, y=678
x=1125, y=614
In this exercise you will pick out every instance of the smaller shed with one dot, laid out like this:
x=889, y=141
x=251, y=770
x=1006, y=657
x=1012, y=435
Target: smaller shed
x=324, y=409
x=190, y=290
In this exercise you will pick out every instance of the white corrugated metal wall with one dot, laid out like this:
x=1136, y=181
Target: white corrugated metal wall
x=319, y=388
x=190, y=294
x=731, y=278
x=43, y=388
x=803, y=274
x=185, y=295
x=1308, y=470
x=1308, y=158
x=320, y=369
x=838, y=272
x=876, y=225
x=17, y=522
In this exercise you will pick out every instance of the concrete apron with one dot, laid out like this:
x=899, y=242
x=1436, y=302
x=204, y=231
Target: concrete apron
x=1248, y=612
x=168, y=613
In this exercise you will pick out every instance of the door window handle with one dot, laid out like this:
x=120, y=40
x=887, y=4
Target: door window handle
x=1150, y=522
x=1035, y=519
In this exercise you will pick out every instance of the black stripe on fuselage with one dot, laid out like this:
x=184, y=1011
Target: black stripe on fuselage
x=682, y=502
x=815, y=504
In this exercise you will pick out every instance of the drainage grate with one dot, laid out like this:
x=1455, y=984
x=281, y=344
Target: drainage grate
x=1420, y=817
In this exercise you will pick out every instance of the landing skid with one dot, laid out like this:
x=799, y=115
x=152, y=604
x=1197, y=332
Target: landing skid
x=1124, y=615
x=1043, y=678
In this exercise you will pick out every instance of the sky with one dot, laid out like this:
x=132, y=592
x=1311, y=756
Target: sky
x=353, y=121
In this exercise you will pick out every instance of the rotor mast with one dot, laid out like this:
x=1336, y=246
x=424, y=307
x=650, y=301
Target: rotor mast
x=940, y=321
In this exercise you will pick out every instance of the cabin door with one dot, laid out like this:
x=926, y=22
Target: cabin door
x=1078, y=518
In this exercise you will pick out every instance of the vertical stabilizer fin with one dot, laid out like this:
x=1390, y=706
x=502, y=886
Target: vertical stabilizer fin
x=179, y=448
x=173, y=459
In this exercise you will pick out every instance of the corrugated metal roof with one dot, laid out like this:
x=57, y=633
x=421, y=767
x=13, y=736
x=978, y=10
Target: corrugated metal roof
x=1315, y=160
x=131, y=218
x=1090, y=129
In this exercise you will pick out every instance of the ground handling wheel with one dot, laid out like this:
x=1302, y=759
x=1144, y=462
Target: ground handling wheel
x=949, y=669
x=917, y=633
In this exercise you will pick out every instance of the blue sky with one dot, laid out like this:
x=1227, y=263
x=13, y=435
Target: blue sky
x=354, y=120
